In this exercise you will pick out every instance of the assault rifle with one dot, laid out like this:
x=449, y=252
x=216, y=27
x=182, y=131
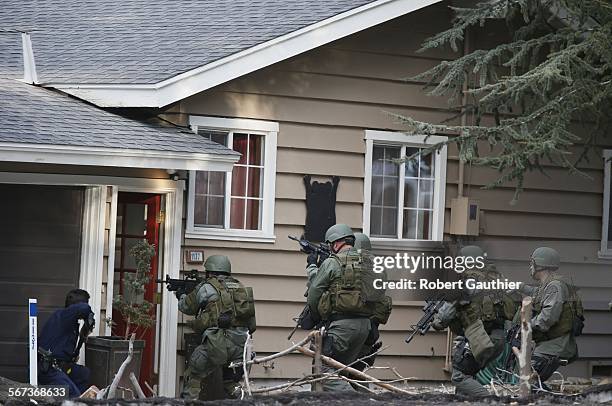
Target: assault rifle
x=192, y=279
x=305, y=321
x=424, y=324
x=309, y=247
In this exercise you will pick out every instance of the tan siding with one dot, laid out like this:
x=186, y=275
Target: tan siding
x=324, y=100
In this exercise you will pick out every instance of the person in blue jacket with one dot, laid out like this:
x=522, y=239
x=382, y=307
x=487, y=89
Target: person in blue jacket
x=60, y=342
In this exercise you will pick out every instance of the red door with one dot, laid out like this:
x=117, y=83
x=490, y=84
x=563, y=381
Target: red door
x=138, y=217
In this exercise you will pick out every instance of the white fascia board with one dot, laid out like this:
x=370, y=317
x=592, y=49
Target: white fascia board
x=223, y=70
x=132, y=158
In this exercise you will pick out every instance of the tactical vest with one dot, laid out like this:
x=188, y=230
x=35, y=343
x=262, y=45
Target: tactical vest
x=492, y=307
x=233, y=300
x=571, y=314
x=351, y=292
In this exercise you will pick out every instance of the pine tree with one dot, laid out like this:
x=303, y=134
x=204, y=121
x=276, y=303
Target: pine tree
x=548, y=90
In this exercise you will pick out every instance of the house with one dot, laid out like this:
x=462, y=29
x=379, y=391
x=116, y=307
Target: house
x=296, y=88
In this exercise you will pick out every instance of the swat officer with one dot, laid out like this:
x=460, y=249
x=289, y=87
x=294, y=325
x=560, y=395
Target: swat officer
x=225, y=315
x=479, y=320
x=58, y=349
x=334, y=297
x=557, y=313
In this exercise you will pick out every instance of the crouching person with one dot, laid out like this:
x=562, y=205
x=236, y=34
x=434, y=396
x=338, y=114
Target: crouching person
x=60, y=342
x=557, y=314
x=225, y=314
x=479, y=319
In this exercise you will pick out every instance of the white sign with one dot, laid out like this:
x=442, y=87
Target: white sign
x=33, y=328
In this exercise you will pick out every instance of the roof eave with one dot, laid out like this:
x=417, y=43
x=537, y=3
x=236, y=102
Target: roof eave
x=268, y=53
x=115, y=157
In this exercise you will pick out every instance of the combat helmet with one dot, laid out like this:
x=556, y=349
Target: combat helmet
x=338, y=232
x=218, y=263
x=471, y=251
x=545, y=257
x=362, y=242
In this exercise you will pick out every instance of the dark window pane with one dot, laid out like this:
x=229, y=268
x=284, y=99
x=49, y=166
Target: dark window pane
x=237, y=213
x=255, y=182
x=201, y=182
x=215, y=211
x=128, y=260
x=425, y=194
x=377, y=190
x=391, y=168
x=219, y=137
x=199, y=210
x=239, y=181
x=375, y=221
x=216, y=183
x=252, y=214
x=412, y=166
x=427, y=168
x=424, y=225
x=389, y=223
x=118, y=252
x=410, y=193
x=409, y=224
x=240, y=145
x=136, y=219
x=378, y=154
x=390, y=192
x=256, y=149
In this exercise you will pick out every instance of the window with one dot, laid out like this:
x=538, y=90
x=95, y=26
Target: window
x=606, y=234
x=403, y=201
x=236, y=205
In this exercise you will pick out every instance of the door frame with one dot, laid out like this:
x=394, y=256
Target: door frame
x=92, y=252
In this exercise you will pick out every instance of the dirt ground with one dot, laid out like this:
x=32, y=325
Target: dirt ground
x=602, y=396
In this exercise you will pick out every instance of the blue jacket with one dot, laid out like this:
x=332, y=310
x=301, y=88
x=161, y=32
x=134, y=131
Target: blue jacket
x=61, y=332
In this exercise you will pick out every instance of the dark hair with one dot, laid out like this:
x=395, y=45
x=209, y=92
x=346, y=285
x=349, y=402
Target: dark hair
x=76, y=296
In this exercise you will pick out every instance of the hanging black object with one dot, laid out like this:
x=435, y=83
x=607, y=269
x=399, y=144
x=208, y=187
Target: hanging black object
x=320, y=207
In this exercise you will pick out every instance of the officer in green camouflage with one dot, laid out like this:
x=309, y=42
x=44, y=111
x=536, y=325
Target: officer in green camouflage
x=478, y=319
x=557, y=313
x=225, y=314
x=333, y=296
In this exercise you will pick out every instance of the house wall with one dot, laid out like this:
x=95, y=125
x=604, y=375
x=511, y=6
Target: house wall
x=324, y=100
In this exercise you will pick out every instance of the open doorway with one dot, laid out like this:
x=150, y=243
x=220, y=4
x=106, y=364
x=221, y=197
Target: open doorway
x=139, y=216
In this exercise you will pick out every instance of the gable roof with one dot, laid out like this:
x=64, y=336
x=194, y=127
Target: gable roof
x=35, y=121
x=150, y=53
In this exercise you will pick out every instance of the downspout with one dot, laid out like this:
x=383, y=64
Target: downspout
x=29, y=65
x=464, y=100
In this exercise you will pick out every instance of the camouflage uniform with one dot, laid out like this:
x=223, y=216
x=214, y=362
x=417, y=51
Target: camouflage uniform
x=481, y=316
x=557, y=315
x=346, y=334
x=221, y=344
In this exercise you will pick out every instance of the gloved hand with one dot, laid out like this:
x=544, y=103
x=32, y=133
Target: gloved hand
x=179, y=292
x=447, y=312
x=91, y=322
x=323, y=257
x=312, y=258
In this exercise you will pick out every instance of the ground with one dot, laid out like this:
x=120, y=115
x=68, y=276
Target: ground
x=347, y=398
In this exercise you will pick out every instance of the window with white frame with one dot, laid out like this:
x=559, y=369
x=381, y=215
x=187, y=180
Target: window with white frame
x=403, y=200
x=237, y=205
x=606, y=226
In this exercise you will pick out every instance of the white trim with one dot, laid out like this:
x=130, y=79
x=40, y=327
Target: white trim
x=169, y=314
x=92, y=248
x=604, y=251
x=403, y=140
x=98, y=156
x=110, y=268
x=171, y=249
x=270, y=131
x=241, y=63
